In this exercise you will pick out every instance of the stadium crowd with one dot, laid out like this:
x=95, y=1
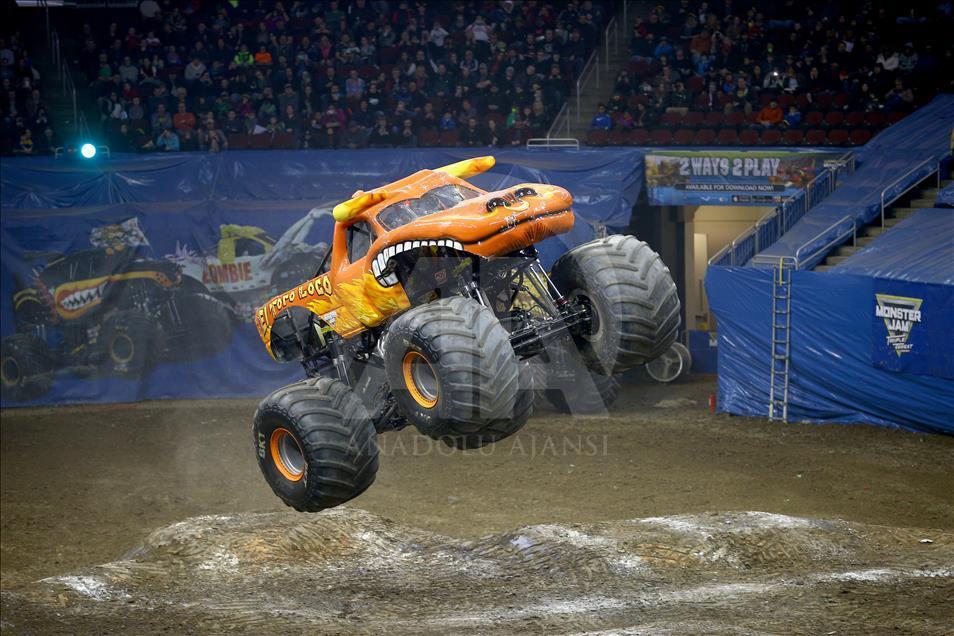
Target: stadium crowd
x=329, y=74
x=776, y=73
x=180, y=75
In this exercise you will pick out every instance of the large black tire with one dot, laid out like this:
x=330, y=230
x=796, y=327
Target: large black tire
x=504, y=427
x=632, y=298
x=206, y=324
x=452, y=370
x=26, y=367
x=574, y=389
x=129, y=343
x=337, y=448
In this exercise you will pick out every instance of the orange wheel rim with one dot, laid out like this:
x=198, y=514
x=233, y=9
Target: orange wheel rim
x=125, y=350
x=287, y=455
x=420, y=379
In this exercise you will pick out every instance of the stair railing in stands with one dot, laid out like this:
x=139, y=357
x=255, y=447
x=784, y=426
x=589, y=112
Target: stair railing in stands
x=887, y=199
x=838, y=232
x=590, y=70
x=775, y=223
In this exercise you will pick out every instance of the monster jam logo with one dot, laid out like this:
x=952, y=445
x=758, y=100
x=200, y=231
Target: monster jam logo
x=900, y=314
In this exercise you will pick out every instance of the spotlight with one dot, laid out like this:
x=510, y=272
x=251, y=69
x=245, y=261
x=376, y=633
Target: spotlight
x=88, y=151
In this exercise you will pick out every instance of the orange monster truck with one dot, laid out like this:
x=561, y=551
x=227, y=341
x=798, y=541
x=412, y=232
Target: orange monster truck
x=431, y=304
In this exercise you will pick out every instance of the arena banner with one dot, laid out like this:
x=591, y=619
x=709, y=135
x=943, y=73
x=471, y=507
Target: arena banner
x=911, y=327
x=730, y=177
x=151, y=295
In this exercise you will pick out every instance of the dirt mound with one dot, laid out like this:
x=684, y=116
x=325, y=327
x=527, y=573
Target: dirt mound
x=348, y=570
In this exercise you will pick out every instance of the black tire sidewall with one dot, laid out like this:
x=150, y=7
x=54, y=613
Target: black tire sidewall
x=398, y=345
x=266, y=422
x=34, y=366
x=142, y=334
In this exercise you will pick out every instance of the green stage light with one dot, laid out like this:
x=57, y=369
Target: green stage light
x=88, y=151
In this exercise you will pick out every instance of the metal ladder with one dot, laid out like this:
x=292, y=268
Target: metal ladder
x=781, y=339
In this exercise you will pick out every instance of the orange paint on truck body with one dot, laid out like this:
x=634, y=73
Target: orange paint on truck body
x=350, y=298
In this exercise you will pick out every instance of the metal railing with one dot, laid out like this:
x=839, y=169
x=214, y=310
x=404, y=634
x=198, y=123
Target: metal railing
x=838, y=232
x=886, y=202
x=768, y=229
x=561, y=123
x=546, y=143
x=590, y=70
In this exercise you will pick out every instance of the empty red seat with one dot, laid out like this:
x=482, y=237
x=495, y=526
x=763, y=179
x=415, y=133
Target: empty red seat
x=735, y=118
x=874, y=119
x=824, y=100
x=695, y=83
x=618, y=137
x=860, y=136
x=728, y=137
x=639, y=137
x=766, y=98
x=692, y=119
x=593, y=138
x=855, y=119
x=895, y=117
x=815, y=137
x=837, y=137
x=771, y=137
x=683, y=137
x=841, y=100
x=802, y=101
x=834, y=118
x=793, y=137
x=785, y=100
x=660, y=137
x=814, y=118
x=428, y=138
x=449, y=138
x=238, y=142
x=749, y=137
x=714, y=119
x=670, y=118
x=705, y=137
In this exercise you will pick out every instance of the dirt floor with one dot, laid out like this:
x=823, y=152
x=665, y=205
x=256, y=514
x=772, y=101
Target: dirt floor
x=650, y=485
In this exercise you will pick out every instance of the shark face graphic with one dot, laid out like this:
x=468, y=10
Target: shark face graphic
x=76, y=298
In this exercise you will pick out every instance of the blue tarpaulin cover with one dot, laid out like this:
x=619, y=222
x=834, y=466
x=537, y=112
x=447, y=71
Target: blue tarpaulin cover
x=918, y=249
x=180, y=205
x=843, y=368
x=854, y=358
x=922, y=137
x=945, y=197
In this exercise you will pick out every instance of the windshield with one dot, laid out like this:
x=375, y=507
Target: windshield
x=442, y=198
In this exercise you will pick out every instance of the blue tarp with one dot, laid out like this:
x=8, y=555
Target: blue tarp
x=918, y=249
x=179, y=203
x=945, y=198
x=923, y=136
x=844, y=366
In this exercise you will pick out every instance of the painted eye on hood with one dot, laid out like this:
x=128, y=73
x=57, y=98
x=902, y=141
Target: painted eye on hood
x=495, y=203
x=525, y=192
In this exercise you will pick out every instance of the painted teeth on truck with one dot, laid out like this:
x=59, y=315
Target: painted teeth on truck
x=379, y=265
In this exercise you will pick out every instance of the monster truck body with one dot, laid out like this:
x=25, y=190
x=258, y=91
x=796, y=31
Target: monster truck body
x=107, y=311
x=432, y=301
x=248, y=265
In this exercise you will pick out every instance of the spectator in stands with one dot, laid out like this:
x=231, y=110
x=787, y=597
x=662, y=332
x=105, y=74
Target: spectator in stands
x=183, y=121
x=770, y=115
x=793, y=118
x=47, y=143
x=211, y=138
x=167, y=141
x=602, y=120
x=472, y=134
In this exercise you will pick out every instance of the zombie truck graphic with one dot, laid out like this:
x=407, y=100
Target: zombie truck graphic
x=108, y=311
x=248, y=265
x=425, y=314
